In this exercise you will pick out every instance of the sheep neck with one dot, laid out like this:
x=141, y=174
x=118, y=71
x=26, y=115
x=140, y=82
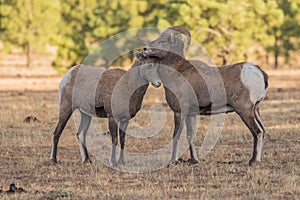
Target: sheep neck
x=174, y=61
x=135, y=80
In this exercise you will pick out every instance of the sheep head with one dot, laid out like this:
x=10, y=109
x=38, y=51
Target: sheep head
x=169, y=41
x=148, y=68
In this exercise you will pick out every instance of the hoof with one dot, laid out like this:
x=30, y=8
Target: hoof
x=174, y=162
x=253, y=162
x=113, y=164
x=192, y=161
x=53, y=161
x=121, y=163
x=87, y=161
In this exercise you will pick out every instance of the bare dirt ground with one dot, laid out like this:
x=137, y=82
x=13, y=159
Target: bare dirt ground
x=223, y=174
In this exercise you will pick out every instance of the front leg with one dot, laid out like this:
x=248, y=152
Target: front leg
x=122, y=131
x=176, y=136
x=113, y=129
x=81, y=136
x=191, y=132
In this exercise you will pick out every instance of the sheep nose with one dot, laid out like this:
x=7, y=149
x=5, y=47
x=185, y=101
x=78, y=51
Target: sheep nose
x=144, y=51
x=156, y=84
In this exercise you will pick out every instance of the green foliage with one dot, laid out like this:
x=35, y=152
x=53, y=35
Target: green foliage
x=30, y=24
x=230, y=31
x=71, y=43
x=289, y=34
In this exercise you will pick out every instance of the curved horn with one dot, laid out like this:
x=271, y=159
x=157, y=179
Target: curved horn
x=143, y=40
x=184, y=31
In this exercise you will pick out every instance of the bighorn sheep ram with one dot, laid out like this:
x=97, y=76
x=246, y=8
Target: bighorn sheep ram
x=239, y=87
x=113, y=93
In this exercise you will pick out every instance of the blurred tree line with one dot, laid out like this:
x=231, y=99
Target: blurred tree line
x=230, y=30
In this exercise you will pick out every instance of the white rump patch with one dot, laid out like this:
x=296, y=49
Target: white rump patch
x=253, y=79
x=66, y=78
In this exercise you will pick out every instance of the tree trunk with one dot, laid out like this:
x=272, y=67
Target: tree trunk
x=276, y=52
x=267, y=58
x=28, y=55
x=276, y=61
x=224, y=60
x=28, y=25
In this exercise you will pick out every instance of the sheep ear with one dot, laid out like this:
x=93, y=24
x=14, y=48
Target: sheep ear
x=138, y=55
x=144, y=41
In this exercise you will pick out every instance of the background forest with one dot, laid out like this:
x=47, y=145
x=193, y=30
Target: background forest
x=263, y=31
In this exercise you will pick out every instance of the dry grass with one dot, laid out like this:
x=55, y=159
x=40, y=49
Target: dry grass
x=224, y=174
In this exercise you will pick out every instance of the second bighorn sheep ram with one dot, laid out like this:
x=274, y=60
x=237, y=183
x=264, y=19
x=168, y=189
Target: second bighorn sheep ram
x=207, y=90
x=113, y=93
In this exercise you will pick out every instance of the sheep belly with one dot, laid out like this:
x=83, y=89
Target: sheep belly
x=253, y=79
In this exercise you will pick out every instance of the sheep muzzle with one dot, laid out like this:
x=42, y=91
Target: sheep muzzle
x=156, y=84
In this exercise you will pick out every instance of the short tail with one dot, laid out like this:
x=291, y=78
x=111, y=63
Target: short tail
x=265, y=76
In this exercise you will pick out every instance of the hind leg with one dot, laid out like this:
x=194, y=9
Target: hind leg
x=261, y=128
x=248, y=117
x=65, y=111
x=85, y=122
x=258, y=119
